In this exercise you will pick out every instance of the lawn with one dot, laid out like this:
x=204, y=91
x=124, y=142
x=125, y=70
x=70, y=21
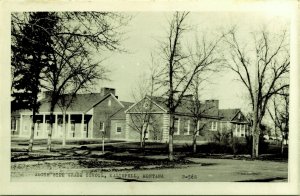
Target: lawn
x=123, y=161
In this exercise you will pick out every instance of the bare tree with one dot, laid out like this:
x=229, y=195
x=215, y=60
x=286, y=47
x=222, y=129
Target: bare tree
x=280, y=114
x=73, y=71
x=77, y=37
x=180, y=66
x=262, y=69
x=145, y=90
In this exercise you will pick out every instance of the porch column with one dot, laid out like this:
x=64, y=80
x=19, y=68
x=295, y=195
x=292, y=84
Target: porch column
x=55, y=125
x=21, y=125
x=69, y=126
x=82, y=125
x=166, y=123
x=236, y=130
x=92, y=126
x=44, y=124
x=127, y=127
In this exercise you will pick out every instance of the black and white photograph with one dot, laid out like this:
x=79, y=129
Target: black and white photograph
x=140, y=96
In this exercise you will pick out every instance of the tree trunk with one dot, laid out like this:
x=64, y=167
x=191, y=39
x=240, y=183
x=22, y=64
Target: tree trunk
x=282, y=145
x=255, y=142
x=65, y=129
x=141, y=139
x=195, y=143
x=171, y=132
x=255, y=134
x=195, y=136
x=50, y=132
x=171, y=156
x=30, y=146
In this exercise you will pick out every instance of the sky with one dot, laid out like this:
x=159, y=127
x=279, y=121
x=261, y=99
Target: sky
x=147, y=29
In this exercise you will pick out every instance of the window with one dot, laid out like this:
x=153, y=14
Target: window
x=101, y=126
x=186, y=127
x=109, y=102
x=72, y=128
x=243, y=130
x=176, y=126
x=221, y=126
x=146, y=104
x=118, y=128
x=13, y=124
x=38, y=127
x=214, y=125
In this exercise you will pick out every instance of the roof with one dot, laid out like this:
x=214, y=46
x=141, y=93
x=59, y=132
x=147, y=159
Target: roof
x=80, y=103
x=185, y=106
x=120, y=114
x=228, y=114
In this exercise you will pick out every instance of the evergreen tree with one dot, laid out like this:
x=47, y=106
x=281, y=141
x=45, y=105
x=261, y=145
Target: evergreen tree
x=32, y=53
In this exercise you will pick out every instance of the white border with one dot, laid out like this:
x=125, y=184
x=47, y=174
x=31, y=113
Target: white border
x=7, y=187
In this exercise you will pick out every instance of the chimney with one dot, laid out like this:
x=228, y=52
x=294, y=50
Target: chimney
x=104, y=91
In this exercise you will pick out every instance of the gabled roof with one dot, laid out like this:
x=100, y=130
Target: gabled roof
x=184, y=107
x=230, y=114
x=120, y=114
x=80, y=103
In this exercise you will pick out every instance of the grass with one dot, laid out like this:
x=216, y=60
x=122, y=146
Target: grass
x=131, y=152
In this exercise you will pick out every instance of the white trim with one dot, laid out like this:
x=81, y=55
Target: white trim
x=82, y=126
x=178, y=126
x=92, y=126
x=44, y=124
x=146, y=112
x=214, y=128
x=117, y=100
x=164, y=111
x=21, y=125
x=54, y=113
x=188, y=128
x=69, y=126
x=72, y=132
x=103, y=128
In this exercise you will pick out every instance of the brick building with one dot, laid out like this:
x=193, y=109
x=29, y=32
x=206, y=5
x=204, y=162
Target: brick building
x=86, y=117
x=213, y=120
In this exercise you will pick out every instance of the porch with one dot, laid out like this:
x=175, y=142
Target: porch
x=76, y=125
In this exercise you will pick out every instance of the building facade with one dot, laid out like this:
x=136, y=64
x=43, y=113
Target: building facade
x=88, y=116
x=96, y=114
x=153, y=112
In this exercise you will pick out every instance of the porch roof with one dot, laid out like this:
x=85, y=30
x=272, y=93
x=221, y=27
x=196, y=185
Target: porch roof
x=80, y=103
